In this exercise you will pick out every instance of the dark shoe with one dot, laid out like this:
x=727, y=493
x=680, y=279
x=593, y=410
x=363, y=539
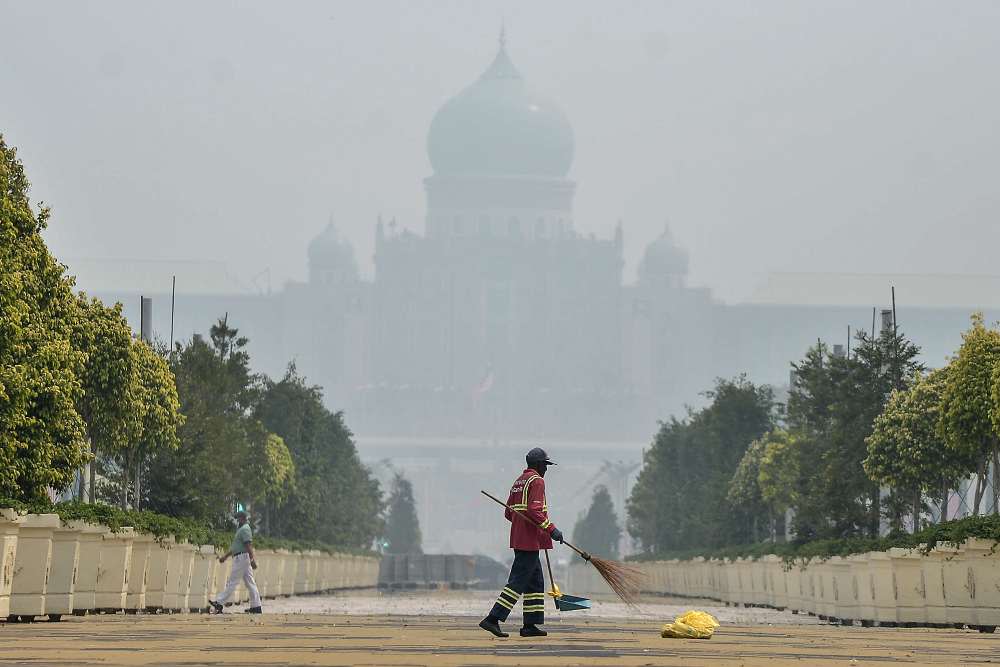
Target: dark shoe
x=216, y=607
x=253, y=610
x=491, y=626
x=533, y=631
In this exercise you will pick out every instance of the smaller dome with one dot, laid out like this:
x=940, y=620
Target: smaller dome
x=663, y=259
x=333, y=257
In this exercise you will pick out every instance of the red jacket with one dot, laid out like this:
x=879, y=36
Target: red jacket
x=528, y=496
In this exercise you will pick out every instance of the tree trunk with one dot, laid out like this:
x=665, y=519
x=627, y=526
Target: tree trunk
x=138, y=478
x=980, y=486
x=93, y=476
x=126, y=469
x=996, y=479
x=876, y=511
x=944, y=504
x=916, y=511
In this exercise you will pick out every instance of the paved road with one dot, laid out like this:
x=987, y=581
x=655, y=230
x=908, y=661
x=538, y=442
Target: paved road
x=364, y=640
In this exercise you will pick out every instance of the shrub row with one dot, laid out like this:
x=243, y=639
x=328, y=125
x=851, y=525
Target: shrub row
x=950, y=532
x=161, y=526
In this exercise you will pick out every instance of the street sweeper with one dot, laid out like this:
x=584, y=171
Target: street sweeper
x=527, y=538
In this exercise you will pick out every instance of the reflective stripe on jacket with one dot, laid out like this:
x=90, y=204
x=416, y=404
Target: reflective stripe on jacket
x=527, y=495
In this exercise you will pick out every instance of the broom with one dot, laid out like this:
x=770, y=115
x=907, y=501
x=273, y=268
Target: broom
x=623, y=579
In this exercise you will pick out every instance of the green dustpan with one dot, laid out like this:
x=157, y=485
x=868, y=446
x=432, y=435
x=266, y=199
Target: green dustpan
x=571, y=603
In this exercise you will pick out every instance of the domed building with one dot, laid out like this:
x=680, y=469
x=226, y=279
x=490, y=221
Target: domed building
x=664, y=263
x=501, y=152
x=331, y=259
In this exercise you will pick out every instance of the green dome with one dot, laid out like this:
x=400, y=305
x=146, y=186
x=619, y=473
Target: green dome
x=498, y=126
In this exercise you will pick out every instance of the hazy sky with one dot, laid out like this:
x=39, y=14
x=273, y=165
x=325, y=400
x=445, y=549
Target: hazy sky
x=774, y=136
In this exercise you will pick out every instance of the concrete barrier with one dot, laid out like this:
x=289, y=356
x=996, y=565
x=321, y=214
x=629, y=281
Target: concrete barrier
x=909, y=588
x=135, y=597
x=31, y=566
x=158, y=574
x=202, y=578
x=89, y=563
x=63, y=569
x=113, y=571
x=10, y=524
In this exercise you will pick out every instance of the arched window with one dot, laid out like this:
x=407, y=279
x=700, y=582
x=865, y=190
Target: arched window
x=457, y=225
x=540, y=228
x=484, y=226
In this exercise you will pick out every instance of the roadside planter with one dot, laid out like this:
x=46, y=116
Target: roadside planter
x=862, y=588
x=910, y=589
x=845, y=592
x=301, y=573
x=793, y=581
x=10, y=523
x=158, y=573
x=984, y=563
x=113, y=571
x=88, y=564
x=959, y=586
x=31, y=565
x=778, y=581
x=135, y=597
x=202, y=577
x=758, y=582
x=221, y=576
x=175, y=571
x=826, y=603
x=883, y=588
x=188, y=555
x=936, y=605
x=63, y=570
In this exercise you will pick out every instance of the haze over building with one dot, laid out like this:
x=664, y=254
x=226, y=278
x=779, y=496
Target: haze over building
x=495, y=324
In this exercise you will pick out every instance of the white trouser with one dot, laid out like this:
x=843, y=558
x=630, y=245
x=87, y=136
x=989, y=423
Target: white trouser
x=241, y=570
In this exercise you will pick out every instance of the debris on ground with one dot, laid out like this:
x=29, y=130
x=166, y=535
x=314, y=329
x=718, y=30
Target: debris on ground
x=691, y=625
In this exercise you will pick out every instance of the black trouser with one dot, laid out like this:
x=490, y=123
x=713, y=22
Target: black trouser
x=525, y=579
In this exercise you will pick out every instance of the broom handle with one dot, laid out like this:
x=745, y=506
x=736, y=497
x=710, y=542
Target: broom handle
x=548, y=564
x=583, y=554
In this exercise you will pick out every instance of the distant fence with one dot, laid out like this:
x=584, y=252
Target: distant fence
x=407, y=571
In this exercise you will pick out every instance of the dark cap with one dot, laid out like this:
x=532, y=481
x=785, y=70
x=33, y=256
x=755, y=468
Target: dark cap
x=538, y=455
x=241, y=515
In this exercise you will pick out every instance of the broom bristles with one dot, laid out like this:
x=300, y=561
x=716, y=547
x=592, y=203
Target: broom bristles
x=624, y=580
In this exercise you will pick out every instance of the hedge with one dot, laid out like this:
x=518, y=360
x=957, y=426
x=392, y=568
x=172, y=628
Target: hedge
x=949, y=532
x=161, y=526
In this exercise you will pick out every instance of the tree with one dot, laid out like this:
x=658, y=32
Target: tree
x=161, y=417
x=402, y=528
x=905, y=449
x=833, y=402
x=744, y=489
x=779, y=473
x=110, y=403
x=42, y=437
x=334, y=499
x=217, y=390
x=967, y=404
x=679, y=499
x=268, y=471
x=598, y=531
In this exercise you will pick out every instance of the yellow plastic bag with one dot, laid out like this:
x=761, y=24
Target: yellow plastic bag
x=691, y=625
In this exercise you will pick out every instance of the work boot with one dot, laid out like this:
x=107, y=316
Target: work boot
x=216, y=607
x=492, y=626
x=253, y=610
x=533, y=631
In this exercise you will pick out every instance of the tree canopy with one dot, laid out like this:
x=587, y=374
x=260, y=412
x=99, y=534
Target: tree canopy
x=598, y=531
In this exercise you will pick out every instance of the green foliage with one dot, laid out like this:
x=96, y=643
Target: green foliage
x=968, y=422
x=832, y=406
x=680, y=495
x=204, y=476
x=334, y=498
x=905, y=449
x=402, y=528
x=111, y=402
x=42, y=438
x=779, y=472
x=598, y=531
x=947, y=533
